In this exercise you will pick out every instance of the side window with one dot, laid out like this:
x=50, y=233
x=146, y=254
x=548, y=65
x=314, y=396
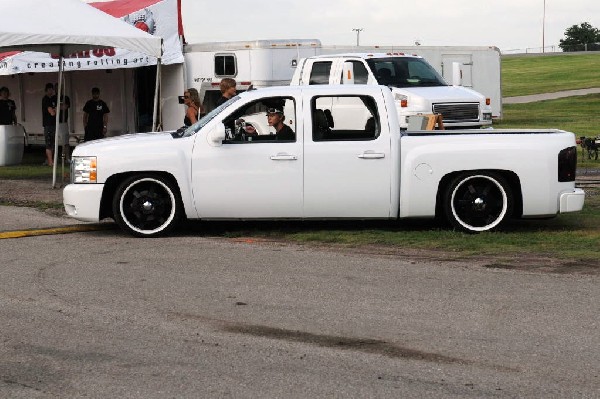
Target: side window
x=344, y=118
x=361, y=74
x=319, y=74
x=225, y=65
x=271, y=119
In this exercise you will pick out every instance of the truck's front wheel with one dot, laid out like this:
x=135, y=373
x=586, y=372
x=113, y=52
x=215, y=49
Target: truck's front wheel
x=146, y=205
x=476, y=202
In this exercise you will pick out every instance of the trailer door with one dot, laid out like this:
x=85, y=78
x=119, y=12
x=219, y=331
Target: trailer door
x=466, y=66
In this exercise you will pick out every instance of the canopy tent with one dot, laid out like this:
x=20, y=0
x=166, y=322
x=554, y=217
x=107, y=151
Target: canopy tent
x=64, y=27
x=68, y=26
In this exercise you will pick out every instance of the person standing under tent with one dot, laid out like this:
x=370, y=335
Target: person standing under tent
x=65, y=104
x=95, y=117
x=49, y=122
x=8, y=107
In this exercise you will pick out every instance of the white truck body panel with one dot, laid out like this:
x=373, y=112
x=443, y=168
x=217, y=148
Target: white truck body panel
x=480, y=66
x=389, y=175
x=460, y=106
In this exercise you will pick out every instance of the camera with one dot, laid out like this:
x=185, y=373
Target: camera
x=180, y=99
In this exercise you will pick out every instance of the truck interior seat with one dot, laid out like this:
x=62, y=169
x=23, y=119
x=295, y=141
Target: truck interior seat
x=329, y=117
x=370, y=126
x=320, y=125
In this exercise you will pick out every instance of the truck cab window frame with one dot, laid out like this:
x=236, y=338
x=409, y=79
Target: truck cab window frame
x=249, y=124
x=361, y=73
x=319, y=73
x=344, y=118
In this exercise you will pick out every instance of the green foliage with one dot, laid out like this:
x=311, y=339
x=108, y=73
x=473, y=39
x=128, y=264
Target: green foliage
x=534, y=74
x=582, y=37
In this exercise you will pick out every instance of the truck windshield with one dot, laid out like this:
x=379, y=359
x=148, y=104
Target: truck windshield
x=404, y=72
x=207, y=118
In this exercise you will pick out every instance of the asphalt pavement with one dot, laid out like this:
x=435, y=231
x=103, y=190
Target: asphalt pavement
x=19, y=218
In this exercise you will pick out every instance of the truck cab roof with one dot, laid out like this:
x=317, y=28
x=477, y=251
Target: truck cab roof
x=367, y=55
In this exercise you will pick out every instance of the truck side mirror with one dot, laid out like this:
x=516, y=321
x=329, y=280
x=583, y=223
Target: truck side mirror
x=348, y=73
x=216, y=135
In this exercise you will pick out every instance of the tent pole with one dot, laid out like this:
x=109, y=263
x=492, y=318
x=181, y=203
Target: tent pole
x=156, y=93
x=60, y=72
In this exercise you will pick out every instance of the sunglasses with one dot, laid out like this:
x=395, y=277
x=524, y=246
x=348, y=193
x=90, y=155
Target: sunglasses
x=274, y=111
x=186, y=96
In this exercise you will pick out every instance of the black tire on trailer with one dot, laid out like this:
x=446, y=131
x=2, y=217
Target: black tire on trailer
x=147, y=205
x=478, y=201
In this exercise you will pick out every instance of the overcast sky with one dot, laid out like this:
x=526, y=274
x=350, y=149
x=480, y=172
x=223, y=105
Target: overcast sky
x=507, y=24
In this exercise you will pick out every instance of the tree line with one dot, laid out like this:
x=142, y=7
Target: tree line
x=582, y=37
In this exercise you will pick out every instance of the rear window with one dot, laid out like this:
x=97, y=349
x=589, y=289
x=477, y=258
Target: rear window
x=319, y=74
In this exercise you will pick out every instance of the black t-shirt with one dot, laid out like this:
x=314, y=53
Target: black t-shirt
x=7, y=111
x=286, y=133
x=64, y=114
x=96, y=111
x=47, y=119
x=222, y=100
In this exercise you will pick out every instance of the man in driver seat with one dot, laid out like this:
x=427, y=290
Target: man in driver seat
x=275, y=118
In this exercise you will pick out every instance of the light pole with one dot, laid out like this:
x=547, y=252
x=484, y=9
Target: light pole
x=358, y=30
x=544, y=29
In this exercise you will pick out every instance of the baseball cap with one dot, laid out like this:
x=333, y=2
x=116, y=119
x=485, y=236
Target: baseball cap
x=274, y=111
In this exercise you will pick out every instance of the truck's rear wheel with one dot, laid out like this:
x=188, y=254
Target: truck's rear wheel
x=476, y=202
x=146, y=206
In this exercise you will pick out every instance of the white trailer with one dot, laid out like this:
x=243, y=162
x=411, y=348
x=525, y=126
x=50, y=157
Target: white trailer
x=480, y=66
x=258, y=63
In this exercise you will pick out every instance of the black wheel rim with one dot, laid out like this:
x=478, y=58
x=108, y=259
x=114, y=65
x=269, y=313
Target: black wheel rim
x=479, y=203
x=147, y=206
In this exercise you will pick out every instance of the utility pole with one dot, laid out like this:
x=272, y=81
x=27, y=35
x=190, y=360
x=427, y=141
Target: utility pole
x=358, y=30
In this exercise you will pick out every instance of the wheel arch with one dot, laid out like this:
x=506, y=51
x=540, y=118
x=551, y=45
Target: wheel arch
x=113, y=182
x=511, y=178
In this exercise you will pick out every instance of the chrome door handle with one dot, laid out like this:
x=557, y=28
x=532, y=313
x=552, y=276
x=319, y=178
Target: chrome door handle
x=371, y=155
x=284, y=157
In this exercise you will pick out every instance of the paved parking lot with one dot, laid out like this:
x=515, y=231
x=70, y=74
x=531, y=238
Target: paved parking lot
x=102, y=314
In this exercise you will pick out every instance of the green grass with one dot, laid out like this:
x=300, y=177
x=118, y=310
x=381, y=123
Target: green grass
x=573, y=237
x=580, y=115
x=30, y=168
x=525, y=75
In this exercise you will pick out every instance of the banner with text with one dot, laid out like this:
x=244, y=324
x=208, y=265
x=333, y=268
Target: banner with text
x=157, y=17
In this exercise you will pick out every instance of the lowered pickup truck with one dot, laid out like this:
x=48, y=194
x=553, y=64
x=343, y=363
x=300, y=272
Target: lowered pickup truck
x=232, y=165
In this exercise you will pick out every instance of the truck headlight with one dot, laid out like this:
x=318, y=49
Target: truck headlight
x=84, y=170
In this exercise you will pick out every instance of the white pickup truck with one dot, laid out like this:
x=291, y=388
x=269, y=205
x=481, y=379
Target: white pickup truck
x=232, y=165
x=416, y=86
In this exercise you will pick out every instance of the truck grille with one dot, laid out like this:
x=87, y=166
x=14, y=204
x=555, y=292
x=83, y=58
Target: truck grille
x=457, y=112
